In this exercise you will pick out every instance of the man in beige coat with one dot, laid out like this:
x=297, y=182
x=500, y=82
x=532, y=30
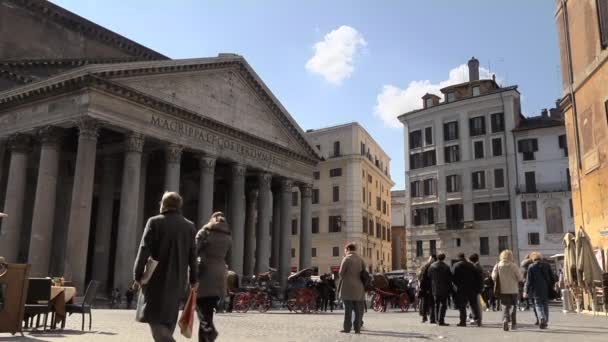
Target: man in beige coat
x=351, y=289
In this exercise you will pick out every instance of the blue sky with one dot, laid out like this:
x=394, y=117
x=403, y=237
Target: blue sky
x=373, y=57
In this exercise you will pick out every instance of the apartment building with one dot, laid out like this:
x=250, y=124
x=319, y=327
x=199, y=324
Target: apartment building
x=544, y=200
x=582, y=26
x=351, y=199
x=458, y=178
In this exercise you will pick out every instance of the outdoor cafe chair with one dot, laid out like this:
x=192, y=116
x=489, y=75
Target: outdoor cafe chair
x=84, y=307
x=38, y=301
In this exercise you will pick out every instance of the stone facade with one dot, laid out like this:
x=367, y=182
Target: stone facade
x=350, y=181
x=398, y=239
x=583, y=39
x=102, y=143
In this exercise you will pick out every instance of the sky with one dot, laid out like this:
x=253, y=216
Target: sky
x=332, y=62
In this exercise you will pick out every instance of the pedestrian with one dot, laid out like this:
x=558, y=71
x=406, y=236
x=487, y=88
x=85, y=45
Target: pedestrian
x=213, y=243
x=467, y=279
x=427, y=305
x=525, y=265
x=488, y=292
x=539, y=283
x=507, y=276
x=441, y=287
x=168, y=239
x=351, y=288
x=480, y=274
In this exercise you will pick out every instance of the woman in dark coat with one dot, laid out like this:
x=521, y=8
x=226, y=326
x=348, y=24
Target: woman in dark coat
x=213, y=242
x=169, y=239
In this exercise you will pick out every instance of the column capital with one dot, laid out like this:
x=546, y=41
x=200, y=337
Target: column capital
x=207, y=163
x=286, y=184
x=134, y=142
x=19, y=142
x=306, y=190
x=239, y=170
x=50, y=135
x=88, y=127
x=174, y=153
x=264, y=181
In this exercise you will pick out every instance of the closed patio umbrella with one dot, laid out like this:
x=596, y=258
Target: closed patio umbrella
x=569, y=260
x=588, y=270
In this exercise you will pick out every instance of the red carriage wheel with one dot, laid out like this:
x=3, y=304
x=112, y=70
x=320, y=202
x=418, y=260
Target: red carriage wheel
x=377, y=302
x=264, y=302
x=241, y=302
x=404, y=302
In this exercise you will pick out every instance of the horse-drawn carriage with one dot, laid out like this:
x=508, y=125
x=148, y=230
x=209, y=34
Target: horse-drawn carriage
x=258, y=293
x=393, y=291
x=301, y=292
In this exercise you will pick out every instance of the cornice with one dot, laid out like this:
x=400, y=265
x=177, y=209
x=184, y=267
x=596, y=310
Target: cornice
x=87, y=28
x=13, y=76
x=75, y=62
x=103, y=80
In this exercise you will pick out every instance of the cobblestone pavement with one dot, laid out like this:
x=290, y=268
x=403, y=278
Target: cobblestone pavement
x=119, y=325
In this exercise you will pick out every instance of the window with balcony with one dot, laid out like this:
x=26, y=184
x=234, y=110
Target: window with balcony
x=335, y=223
x=497, y=122
x=499, y=178
x=430, y=187
x=423, y=216
x=428, y=136
x=337, y=172
x=419, y=250
x=315, y=225
x=482, y=211
x=416, y=139
x=433, y=247
x=533, y=239
x=452, y=154
x=484, y=246
x=454, y=216
x=478, y=180
x=477, y=126
x=450, y=131
x=478, y=149
x=530, y=181
x=422, y=159
x=527, y=147
x=336, y=194
x=503, y=243
x=452, y=183
x=528, y=210
x=553, y=220
x=496, y=147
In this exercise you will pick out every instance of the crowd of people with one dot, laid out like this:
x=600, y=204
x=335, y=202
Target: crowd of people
x=467, y=284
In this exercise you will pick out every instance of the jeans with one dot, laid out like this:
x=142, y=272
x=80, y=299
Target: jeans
x=204, y=310
x=509, y=314
x=357, y=307
x=441, y=306
x=162, y=332
x=542, y=309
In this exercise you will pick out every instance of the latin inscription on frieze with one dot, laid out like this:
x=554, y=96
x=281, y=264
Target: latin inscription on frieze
x=205, y=136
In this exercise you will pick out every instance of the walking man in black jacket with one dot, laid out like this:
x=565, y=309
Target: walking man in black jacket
x=467, y=279
x=427, y=305
x=441, y=285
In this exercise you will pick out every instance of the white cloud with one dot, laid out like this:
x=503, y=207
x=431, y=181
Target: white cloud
x=394, y=101
x=333, y=58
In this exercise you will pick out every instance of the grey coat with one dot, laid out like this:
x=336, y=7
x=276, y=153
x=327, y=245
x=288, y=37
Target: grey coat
x=213, y=243
x=350, y=286
x=169, y=239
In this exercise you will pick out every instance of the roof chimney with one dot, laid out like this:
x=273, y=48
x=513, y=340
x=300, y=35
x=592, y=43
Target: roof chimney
x=473, y=69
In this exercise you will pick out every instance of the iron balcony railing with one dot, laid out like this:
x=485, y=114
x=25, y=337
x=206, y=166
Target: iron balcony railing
x=543, y=187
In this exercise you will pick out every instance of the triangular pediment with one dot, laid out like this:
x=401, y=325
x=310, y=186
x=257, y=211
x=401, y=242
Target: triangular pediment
x=223, y=95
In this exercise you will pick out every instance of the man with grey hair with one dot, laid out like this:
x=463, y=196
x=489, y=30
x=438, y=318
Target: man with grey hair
x=168, y=239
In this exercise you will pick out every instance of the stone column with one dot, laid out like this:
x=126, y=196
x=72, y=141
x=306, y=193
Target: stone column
x=103, y=230
x=173, y=155
x=276, y=228
x=306, y=226
x=262, y=250
x=127, y=220
x=237, y=217
x=250, y=243
x=141, y=208
x=80, y=208
x=15, y=196
x=205, y=194
x=285, y=247
x=44, y=205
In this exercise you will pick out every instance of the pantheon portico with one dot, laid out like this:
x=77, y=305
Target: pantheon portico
x=86, y=154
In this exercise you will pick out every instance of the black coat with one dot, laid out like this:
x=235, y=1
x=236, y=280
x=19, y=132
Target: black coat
x=538, y=281
x=169, y=239
x=425, y=280
x=467, y=278
x=441, y=279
